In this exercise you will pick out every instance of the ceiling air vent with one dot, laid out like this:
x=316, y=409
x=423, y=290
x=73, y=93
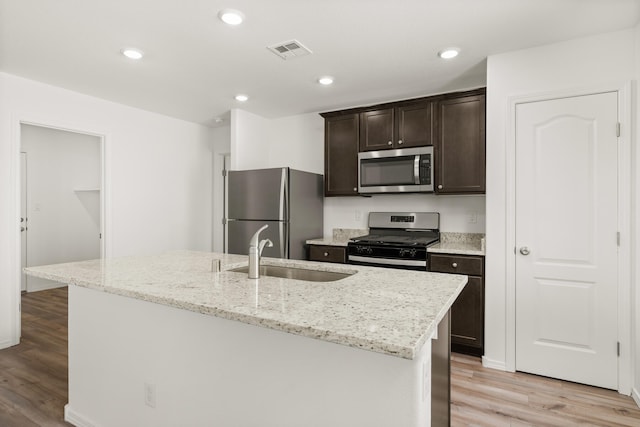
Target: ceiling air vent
x=289, y=50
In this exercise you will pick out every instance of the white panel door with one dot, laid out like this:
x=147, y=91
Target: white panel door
x=566, y=237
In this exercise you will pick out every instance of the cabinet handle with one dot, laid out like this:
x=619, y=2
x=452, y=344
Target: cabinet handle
x=326, y=254
x=440, y=187
x=454, y=265
x=390, y=143
x=399, y=142
x=355, y=188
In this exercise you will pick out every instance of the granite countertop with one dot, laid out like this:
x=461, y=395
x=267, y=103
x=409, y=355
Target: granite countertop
x=459, y=244
x=387, y=311
x=450, y=243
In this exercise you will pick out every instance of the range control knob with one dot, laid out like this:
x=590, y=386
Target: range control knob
x=409, y=253
x=364, y=249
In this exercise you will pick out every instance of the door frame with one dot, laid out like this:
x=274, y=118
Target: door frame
x=624, y=222
x=105, y=200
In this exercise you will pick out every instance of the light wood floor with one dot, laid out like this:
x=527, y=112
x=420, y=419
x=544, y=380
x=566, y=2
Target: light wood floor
x=486, y=397
x=33, y=383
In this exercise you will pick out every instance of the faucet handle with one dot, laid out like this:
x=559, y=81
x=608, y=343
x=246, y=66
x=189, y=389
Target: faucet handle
x=256, y=236
x=262, y=244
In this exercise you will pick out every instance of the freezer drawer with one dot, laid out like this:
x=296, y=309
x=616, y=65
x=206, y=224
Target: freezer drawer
x=239, y=234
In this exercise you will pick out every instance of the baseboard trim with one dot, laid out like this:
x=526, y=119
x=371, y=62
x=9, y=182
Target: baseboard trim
x=636, y=396
x=493, y=364
x=7, y=343
x=76, y=419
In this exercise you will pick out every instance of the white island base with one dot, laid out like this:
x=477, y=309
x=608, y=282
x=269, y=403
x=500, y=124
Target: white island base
x=137, y=363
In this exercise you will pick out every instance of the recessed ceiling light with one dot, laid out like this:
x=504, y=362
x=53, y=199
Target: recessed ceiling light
x=325, y=80
x=231, y=16
x=132, y=53
x=242, y=98
x=448, y=53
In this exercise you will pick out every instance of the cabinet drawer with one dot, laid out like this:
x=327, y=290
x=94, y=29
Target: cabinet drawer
x=457, y=264
x=328, y=253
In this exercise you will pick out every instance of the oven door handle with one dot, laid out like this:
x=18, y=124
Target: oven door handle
x=384, y=261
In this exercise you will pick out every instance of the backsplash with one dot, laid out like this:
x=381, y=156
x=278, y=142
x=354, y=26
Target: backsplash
x=475, y=239
x=344, y=234
x=464, y=214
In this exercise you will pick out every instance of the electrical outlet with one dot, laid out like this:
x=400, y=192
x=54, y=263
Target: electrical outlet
x=472, y=217
x=358, y=215
x=150, y=395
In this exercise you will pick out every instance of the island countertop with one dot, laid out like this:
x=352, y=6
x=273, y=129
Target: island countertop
x=383, y=310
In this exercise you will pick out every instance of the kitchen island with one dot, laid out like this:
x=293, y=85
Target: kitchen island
x=174, y=339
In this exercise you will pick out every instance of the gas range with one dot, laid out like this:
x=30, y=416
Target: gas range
x=396, y=240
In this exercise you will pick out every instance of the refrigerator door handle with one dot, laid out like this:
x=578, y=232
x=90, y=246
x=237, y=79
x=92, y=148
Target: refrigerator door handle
x=284, y=190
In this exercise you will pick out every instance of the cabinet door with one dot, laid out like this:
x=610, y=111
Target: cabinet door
x=414, y=125
x=460, y=145
x=376, y=130
x=341, y=155
x=467, y=318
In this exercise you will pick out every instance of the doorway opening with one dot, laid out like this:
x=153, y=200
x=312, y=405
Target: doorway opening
x=61, y=218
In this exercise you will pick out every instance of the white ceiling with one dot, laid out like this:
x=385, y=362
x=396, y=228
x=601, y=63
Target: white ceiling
x=377, y=50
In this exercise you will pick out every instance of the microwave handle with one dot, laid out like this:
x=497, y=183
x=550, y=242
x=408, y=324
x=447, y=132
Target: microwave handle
x=416, y=169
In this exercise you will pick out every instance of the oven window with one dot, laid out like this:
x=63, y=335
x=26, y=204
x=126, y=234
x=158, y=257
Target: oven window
x=387, y=171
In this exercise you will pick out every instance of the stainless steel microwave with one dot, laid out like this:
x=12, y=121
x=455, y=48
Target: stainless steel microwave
x=408, y=170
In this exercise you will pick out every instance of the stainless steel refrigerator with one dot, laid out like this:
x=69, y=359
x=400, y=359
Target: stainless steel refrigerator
x=288, y=200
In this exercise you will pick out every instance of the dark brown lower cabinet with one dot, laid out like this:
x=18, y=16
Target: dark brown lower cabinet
x=467, y=313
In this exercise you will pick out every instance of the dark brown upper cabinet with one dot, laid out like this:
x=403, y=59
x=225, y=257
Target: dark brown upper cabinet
x=460, y=144
x=453, y=123
x=406, y=124
x=341, y=155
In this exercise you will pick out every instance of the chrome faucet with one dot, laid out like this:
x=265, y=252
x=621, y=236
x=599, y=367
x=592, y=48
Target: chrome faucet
x=255, y=252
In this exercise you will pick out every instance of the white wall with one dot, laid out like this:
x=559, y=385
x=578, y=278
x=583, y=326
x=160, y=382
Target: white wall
x=582, y=63
x=250, y=140
x=63, y=223
x=158, y=177
x=298, y=142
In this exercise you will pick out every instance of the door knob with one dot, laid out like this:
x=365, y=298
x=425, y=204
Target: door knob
x=524, y=250
x=22, y=229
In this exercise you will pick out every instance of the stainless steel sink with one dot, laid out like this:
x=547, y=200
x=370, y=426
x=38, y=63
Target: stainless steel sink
x=296, y=273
